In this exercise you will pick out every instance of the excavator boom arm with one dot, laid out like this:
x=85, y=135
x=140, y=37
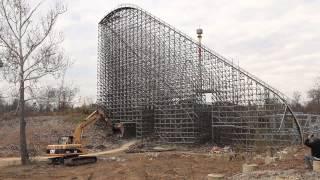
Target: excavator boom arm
x=93, y=117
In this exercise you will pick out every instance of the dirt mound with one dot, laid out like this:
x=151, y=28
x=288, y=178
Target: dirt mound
x=44, y=130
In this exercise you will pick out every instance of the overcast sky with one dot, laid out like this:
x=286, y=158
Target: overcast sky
x=276, y=40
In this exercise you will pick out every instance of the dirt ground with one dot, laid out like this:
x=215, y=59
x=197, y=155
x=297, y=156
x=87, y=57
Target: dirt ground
x=181, y=163
x=163, y=165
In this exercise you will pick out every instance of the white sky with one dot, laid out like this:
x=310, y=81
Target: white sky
x=276, y=40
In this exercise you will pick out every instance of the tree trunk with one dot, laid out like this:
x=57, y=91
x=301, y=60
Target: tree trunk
x=23, y=139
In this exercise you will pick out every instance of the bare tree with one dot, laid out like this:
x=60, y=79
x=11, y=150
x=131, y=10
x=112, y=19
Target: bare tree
x=2, y=109
x=296, y=97
x=314, y=94
x=66, y=93
x=296, y=101
x=46, y=97
x=29, y=49
x=52, y=98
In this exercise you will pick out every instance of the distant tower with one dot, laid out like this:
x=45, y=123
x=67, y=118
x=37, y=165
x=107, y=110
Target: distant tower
x=199, y=32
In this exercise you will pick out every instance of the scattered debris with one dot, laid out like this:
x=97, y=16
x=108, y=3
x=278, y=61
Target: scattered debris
x=89, y=146
x=194, y=161
x=287, y=152
x=249, y=167
x=101, y=147
x=269, y=160
x=135, y=148
x=113, y=158
x=219, y=150
x=152, y=155
x=290, y=174
x=142, y=148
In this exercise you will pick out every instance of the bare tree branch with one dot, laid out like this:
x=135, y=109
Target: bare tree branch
x=5, y=14
x=27, y=20
x=51, y=20
x=7, y=45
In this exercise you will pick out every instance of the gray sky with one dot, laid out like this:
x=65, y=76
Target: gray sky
x=276, y=40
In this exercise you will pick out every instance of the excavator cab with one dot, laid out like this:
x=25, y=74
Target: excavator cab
x=65, y=140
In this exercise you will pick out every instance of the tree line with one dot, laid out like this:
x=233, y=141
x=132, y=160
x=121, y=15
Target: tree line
x=312, y=105
x=48, y=99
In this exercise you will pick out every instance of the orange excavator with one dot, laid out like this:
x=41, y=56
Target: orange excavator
x=70, y=151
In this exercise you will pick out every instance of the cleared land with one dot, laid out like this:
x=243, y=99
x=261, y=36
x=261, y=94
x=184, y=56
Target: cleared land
x=183, y=163
x=44, y=130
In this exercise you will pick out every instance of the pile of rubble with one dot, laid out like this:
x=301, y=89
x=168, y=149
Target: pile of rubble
x=135, y=148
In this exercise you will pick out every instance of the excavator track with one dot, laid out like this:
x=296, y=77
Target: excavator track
x=80, y=160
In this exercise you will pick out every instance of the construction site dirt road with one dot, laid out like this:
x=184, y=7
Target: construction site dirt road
x=114, y=163
x=10, y=161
